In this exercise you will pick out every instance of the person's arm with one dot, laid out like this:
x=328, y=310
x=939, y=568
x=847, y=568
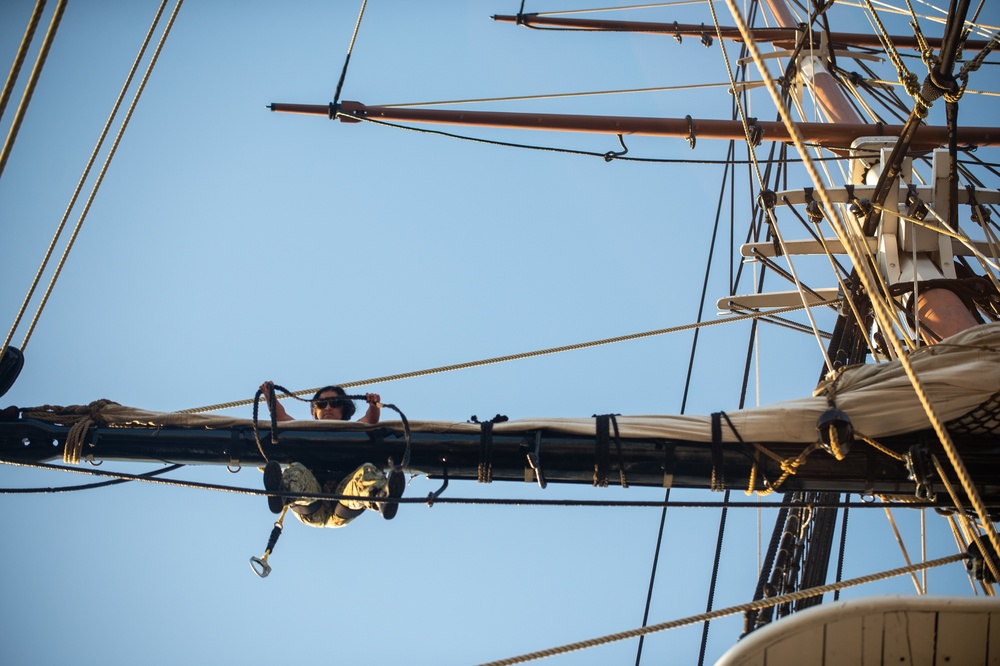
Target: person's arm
x=279, y=410
x=374, y=411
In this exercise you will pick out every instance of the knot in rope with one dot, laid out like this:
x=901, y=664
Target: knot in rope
x=79, y=417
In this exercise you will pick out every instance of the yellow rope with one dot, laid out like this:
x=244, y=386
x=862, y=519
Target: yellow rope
x=100, y=177
x=880, y=447
x=722, y=612
x=973, y=533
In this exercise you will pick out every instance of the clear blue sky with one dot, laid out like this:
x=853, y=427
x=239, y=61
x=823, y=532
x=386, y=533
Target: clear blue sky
x=229, y=245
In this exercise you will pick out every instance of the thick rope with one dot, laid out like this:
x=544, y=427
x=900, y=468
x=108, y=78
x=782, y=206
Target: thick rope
x=80, y=418
x=29, y=90
x=722, y=612
x=22, y=52
x=80, y=183
x=104, y=169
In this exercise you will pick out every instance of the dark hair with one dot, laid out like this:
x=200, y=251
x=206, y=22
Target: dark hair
x=346, y=405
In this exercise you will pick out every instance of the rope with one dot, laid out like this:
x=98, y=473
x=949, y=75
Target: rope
x=238, y=490
x=22, y=52
x=523, y=98
x=715, y=577
x=347, y=59
x=568, y=151
x=973, y=533
x=104, y=169
x=84, y=486
x=652, y=575
x=80, y=418
x=722, y=612
x=29, y=90
x=880, y=310
x=524, y=355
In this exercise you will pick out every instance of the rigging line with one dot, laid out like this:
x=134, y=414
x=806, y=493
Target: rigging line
x=722, y=612
x=524, y=355
x=29, y=89
x=103, y=172
x=657, y=5
x=347, y=59
x=22, y=52
x=984, y=93
x=83, y=178
x=475, y=501
x=508, y=144
x=652, y=575
x=879, y=309
x=85, y=486
x=902, y=547
x=714, y=579
x=521, y=98
x=972, y=532
x=769, y=212
x=946, y=230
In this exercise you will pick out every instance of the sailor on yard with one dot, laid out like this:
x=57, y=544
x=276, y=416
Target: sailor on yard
x=367, y=481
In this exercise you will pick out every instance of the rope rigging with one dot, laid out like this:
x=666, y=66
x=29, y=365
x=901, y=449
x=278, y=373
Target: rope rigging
x=86, y=173
x=481, y=501
x=522, y=355
x=723, y=612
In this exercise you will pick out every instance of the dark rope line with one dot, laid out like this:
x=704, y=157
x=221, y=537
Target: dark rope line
x=446, y=500
x=571, y=151
x=652, y=575
x=715, y=578
x=843, y=547
x=85, y=486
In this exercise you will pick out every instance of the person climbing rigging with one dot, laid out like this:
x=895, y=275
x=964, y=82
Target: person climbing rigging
x=367, y=481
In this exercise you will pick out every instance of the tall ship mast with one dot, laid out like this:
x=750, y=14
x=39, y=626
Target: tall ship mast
x=874, y=209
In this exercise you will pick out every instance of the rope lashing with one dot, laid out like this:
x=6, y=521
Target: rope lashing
x=718, y=480
x=485, y=469
x=79, y=417
x=602, y=450
x=752, y=453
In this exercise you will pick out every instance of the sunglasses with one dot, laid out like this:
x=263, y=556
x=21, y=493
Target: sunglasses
x=332, y=404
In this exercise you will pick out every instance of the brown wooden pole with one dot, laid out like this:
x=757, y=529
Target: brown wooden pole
x=783, y=37
x=836, y=135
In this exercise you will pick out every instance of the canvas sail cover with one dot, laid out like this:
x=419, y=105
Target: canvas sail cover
x=959, y=374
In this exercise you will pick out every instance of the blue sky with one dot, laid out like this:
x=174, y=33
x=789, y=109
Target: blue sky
x=229, y=245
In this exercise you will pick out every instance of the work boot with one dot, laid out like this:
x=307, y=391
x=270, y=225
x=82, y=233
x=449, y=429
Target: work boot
x=395, y=487
x=272, y=481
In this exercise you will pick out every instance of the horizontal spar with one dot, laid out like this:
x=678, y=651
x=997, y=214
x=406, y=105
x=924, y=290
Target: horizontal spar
x=508, y=457
x=839, y=135
x=785, y=37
